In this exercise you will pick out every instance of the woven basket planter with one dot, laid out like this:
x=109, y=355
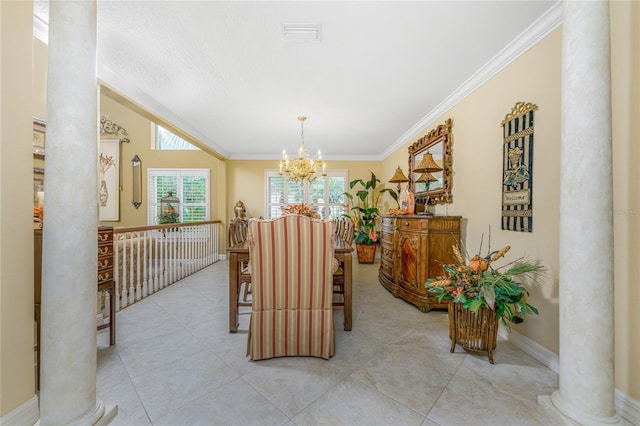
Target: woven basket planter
x=366, y=252
x=473, y=331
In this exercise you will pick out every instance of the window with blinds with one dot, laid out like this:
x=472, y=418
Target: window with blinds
x=191, y=186
x=324, y=195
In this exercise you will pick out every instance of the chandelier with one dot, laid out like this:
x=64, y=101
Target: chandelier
x=303, y=166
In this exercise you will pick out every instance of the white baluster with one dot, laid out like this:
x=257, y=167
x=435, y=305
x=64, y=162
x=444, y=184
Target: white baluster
x=156, y=262
x=115, y=273
x=123, y=297
x=199, y=248
x=137, y=269
x=132, y=289
x=107, y=308
x=145, y=267
x=165, y=250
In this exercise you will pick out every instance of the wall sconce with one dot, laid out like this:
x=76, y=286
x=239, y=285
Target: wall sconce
x=136, y=163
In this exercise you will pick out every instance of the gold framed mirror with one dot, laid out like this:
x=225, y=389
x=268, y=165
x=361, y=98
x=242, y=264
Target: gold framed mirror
x=431, y=166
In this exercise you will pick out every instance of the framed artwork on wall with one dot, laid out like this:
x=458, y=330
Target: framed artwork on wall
x=39, y=127
x=109, y=180
x=517, y=168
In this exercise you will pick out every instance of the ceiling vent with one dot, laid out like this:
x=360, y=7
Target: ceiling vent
x=301, y=32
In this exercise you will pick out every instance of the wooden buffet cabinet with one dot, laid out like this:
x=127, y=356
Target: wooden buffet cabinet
x=414, y=248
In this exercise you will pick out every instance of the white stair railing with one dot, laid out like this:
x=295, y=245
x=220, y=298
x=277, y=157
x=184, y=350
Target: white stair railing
x=150, y=258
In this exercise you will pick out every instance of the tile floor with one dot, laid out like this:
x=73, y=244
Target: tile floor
x=175, y=363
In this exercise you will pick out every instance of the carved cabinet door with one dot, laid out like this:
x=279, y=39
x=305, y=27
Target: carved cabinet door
x=412, y=249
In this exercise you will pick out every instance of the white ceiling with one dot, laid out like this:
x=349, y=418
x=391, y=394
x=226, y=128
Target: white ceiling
x=221, y=71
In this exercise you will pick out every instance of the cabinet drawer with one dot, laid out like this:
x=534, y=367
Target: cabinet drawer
x=412, y=224
x=387, y=270
x=388, y=222
x=105, y=275
x=387, y=237
x=105, y=262
x=387, y=255
x=104, y=237
x=105, y=250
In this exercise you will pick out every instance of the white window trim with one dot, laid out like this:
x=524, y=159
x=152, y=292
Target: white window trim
x=154, y=139
x=151, y=172
x=330, y=172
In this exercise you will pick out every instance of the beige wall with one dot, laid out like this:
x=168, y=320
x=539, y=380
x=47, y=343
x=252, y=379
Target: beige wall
x=625, y=61
x=477, y=157
x=245, y=181
x=140, y=133
x=17, y=376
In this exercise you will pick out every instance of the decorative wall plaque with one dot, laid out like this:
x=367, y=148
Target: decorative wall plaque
x=517, y=165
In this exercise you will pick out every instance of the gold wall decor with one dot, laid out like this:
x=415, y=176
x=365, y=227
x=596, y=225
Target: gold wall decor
x=517, y=165
x=109, y=128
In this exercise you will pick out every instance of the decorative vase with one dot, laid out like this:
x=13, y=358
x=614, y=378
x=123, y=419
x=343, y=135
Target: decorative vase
x=366, y=253
x=103, y=194
x=473, y=331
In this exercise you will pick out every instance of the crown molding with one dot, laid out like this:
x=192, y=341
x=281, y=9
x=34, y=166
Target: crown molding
x=525, y=41
x=328, y=158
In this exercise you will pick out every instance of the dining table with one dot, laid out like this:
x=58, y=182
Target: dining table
x=239, y=254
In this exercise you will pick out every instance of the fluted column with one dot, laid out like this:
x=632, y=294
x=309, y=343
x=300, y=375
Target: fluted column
x=68, y=372
x=586, y=386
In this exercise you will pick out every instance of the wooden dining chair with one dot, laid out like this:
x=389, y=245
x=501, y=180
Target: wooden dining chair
x=238, y=229
x=291, y=261
x=344, y=230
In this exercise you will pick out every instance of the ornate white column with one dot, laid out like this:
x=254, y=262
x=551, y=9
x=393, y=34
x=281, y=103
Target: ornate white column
x=586, y=388
x=68, y=371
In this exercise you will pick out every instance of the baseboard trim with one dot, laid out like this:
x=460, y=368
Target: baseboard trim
x=222, y=256
x=26, y=414
x=626, y=407
x=536, y=350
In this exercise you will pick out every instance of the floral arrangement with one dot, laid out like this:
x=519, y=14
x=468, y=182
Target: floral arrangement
x=477, y=283
x=302, y=209
x=105, y=162
x=364, y=210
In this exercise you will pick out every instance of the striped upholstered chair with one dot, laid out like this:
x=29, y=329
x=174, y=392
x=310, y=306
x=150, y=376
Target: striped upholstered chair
x=291, y=260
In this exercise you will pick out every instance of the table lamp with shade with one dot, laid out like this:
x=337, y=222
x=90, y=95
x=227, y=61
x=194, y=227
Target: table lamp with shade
x=427, y=178
x=399, y=178
x=427, y=166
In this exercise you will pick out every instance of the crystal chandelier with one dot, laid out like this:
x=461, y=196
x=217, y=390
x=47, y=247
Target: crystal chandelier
x=302, y=167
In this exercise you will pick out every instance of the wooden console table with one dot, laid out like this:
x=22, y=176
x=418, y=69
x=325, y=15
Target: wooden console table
x=414, y=248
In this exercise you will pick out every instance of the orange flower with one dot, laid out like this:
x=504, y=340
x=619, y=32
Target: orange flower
x=373, y=236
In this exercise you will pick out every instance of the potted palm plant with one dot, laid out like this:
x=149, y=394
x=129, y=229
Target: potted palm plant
x=364, y=214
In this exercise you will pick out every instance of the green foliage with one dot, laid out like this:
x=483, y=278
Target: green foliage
x=498, y=289
x=364, y=208
x=168, y=218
